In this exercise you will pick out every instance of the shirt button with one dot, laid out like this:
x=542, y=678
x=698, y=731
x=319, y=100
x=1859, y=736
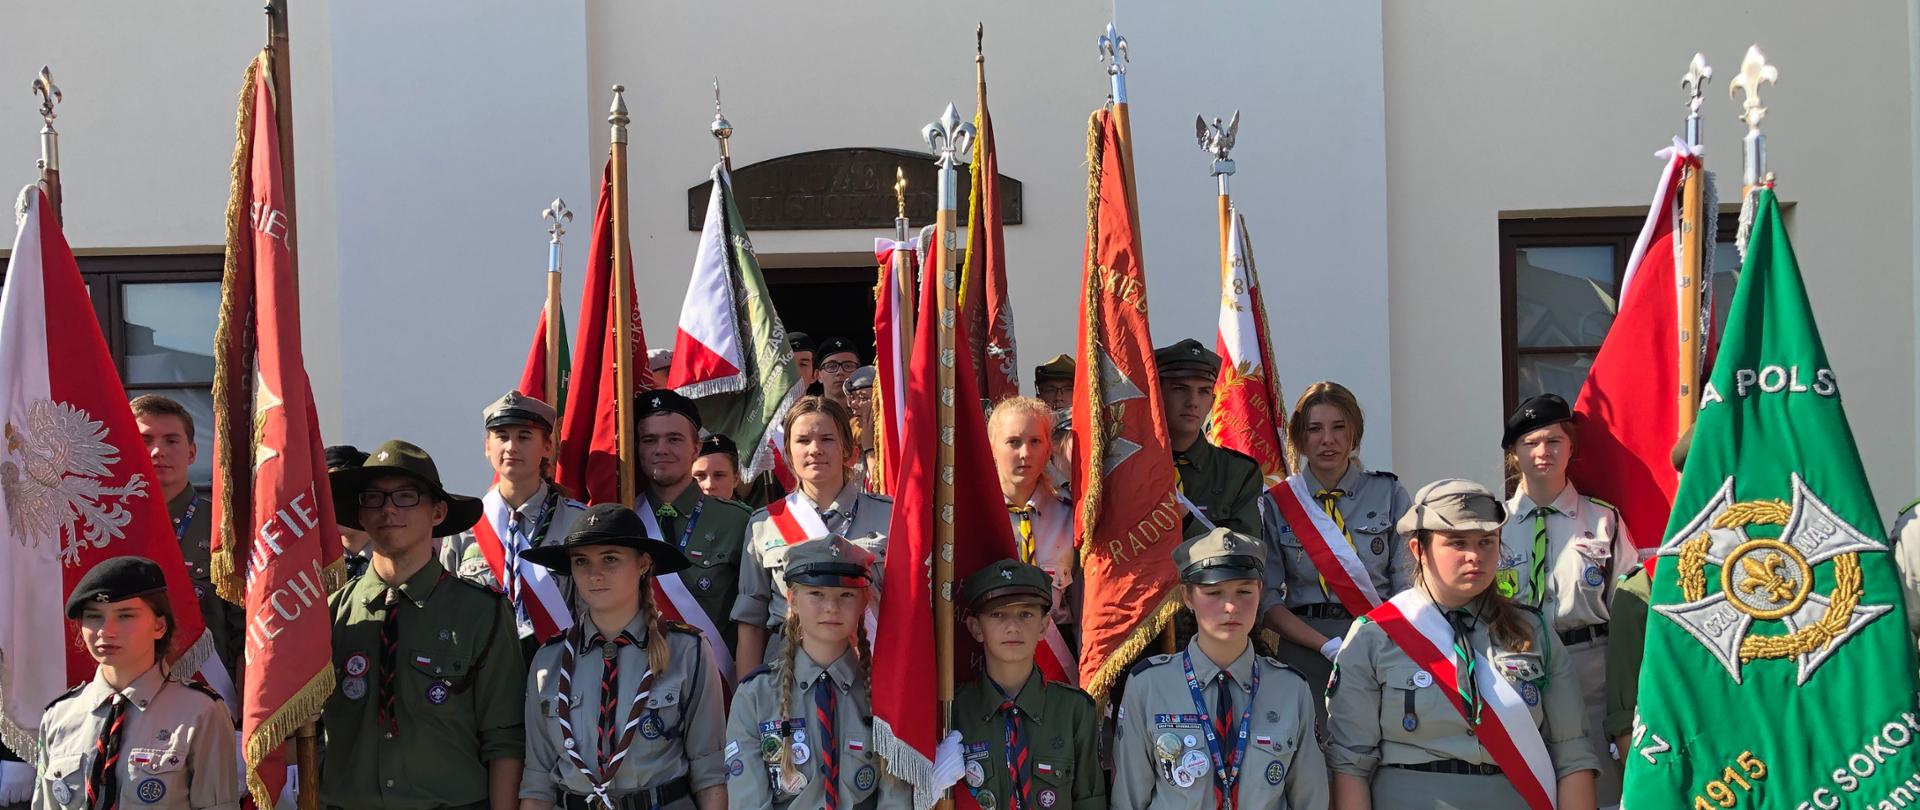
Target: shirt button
x=389, y=781
x=387, y=735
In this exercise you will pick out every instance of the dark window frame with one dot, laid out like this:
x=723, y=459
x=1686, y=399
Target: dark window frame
x=107, y=277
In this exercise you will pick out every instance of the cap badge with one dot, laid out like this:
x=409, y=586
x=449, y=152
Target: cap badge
x=512, y=398
x=1227, y=543
x=1006, y=573
x=1528, y=413
x=656, y=401
x=834, y=549
x=1193, y=350
x=382, y=456
x=592, y=519
x=102, y=597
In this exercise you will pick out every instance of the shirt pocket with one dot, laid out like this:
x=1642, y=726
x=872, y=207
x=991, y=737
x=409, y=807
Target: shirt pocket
x=1403, y=706
x=1177, y=748
x=1269, y=759
x=665, y=714
x=65, y=782
x=1052, y=782
x=443, y=673
x=1595, y=558
x=1372, y=538
x=1525, y=672
x=156, y=774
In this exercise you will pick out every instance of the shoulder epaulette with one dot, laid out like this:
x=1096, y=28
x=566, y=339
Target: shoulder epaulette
x=204, y=689
x=483, y=588
x=765, y=669
x=556, y=638
x=1150, y=662
x=67, y=694
x=1072, y=690
x=680, y=627
x=1282, y=665
x=1239, y=455
x=878, y=497
x=573, y=504
x=1383, y=474
x=735, y=504
x=1616, y=509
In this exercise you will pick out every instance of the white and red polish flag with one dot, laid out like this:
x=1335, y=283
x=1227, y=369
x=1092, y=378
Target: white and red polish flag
x=76, y=485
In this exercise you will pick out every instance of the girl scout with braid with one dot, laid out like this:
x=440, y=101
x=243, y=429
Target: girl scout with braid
x=800, y=733
x=1217, y=726
x=1564, y=553
x=1449, y=695
x=624, y=710
x=133, y=736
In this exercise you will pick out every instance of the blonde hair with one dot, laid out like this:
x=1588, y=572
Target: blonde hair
x=658, y=656
x=791, y=633
x=1506, y=624
x=1324, y=392
x=1030, y=406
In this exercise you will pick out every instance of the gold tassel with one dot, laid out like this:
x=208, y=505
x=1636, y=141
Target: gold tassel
x=235, y=329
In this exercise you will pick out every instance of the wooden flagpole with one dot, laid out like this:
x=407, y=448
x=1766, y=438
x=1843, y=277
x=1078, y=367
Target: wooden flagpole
x=622, y=299
x=1217, y=140
x=49, y=162
x=1113, y=50
x=904, y=283
x=1691, y=279
x=949, y=137
x=557, y=214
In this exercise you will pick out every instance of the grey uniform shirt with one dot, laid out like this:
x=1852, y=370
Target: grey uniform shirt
x=755, y=722
x=1588, y=553
x=1283, y=769
x=1376, y=687
x=1372, y=501
x=1053, y=550
x=681, y=728
x=461, y=554
x=176, y=746
x=854, y=514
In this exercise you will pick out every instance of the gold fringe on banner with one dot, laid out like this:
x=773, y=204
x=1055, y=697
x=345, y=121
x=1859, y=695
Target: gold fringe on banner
x=233, y=346
x=277, y=730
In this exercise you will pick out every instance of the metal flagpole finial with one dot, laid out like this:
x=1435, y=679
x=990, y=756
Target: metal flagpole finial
x=722, y=129
x=1113, y=51
x=1217, y=140
x=1754, y=71
x=49, y=94
x=1694, y=81
x=558, y=214
x=948, y=137
x=900, y=190
x=617, y=115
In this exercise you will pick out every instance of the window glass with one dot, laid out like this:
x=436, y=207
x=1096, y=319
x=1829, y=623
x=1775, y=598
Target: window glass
x=169, y=331
x=1564, y=295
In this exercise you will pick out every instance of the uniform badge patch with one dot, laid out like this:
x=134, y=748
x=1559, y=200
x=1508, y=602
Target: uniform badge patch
x=863, y=778
x=1275, y=772
x=1593, y=577
x=733, y=747
x=437, y=693
x=734, y=768
x=985, y=800
x=1048, y=797
x=976, y=774
x=354, y=688
x=801, y=753
x=1379, y=546
x=650, y=727
x=1410, y=722
x=151, y=791
x=1273, y=716
x=704, y=583
x=61, y=792
x=1422, y=679
x=1530, y=693
x=357, y=664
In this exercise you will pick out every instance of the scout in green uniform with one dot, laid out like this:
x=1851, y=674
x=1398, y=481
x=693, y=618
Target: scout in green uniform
x=707, y=530
x=800, y=732
x=167, y=428
x=1027, y=743
x=133, y=736
x=355, y=549
x=1325, y=431
x=1217, y=726
x=717, y=469
x=1403, y=734
x=1564, y=553
x=1224, y=485
x=523, y=510
x=836, y=361
x=820, y=452
x=431, y=679
x=1053, y=382
x=624, y=710
x=802, y=346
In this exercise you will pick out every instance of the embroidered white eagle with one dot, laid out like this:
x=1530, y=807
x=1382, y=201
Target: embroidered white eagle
x=54, y=474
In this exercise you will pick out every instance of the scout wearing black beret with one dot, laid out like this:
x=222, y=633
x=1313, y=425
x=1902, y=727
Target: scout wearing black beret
x=1535, y=413
x=342, y=456
x=610, y=524
x=718, y=444
x=837, y=345
x=799, y=342
x=667, y=400
x=114, y=580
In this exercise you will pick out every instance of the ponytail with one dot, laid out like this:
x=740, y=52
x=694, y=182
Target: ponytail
x=791, y=633
x=659, y=657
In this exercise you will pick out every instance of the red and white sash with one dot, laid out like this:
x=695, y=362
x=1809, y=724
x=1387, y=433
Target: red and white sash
x=677, y=603
x=799, y=522
x=540, y=592
x=1332, y=555
x=1508, y=731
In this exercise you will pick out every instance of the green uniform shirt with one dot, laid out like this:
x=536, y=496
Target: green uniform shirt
x=226, y=621
x=1625, y=647
x=1225, y=485
x=459, y=683
x=714, y=547
x=1059, y=724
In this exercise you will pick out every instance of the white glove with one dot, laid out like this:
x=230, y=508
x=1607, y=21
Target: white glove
x=948, y=766
x=16, y=781
x=1331, y=648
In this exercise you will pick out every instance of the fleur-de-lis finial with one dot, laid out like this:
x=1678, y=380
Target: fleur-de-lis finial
x=48, y=92
x=1754, y=71
x=1113, y=51
x=557, y=214
x=1695, y=81
x=900, y=190
x=948, y=137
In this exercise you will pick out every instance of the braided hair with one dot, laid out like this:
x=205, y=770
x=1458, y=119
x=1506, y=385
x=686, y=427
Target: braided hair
x=791, y=633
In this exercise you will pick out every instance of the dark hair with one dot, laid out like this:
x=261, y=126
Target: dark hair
x=1512, y=457
x=157, y=405
x=1506, y=623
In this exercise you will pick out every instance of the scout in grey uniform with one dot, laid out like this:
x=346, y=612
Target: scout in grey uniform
x=820, y=452
x=1020, y=430
x=1028, y=743
x=860, y=403
x=654, y=740
x=1224, y=485
x=1215, y=725
x=1564, y=553
x=1395, y=738
x=1325, y=430
x=524, y=509
x=779, y=752
x=1053, y=382
x=708, y=531
x=132, y=736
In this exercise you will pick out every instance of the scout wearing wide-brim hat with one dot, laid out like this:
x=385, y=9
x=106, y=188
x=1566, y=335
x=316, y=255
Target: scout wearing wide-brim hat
x=610, y=524
x=1059, y=368
x=115, y=580
x=1188, y=358
x=1004, y=582
x=667, y=400
x=1537, y=412
x=831, y=562
x=404, y=459
x=515, y=408
x=1453, y=505
x=1220, y=555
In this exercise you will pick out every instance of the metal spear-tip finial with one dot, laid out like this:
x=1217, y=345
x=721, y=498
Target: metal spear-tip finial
x=1113, y=51
x=558, y=214
x=1754, y=71
x=617, y=115
x=1217, y=140
x=900, y=190
x=948, y=137
x=48, y=92
x=722, y=129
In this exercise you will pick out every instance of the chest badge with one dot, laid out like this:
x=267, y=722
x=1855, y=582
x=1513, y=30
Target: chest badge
x=437, y=693
x=357, y=664
x=151, y=791
x=1379, y=546
x=1275, y=772
x=354, y=688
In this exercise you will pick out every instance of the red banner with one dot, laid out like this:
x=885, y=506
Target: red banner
x=985, y=303
x=1128, y=520
x=589, y=443
x=276, y=548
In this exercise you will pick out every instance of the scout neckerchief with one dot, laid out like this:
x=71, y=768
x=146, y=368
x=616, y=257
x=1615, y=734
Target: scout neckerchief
x=546, y=607
x=103, y=784
x=1505, y=727
x=798, y=521
x=610, y=764
x=1339, y=566
x=826, y=708
x=677, y=603
x=1023, y=533
x=1226, y=768
x=1538, y=581
x=1019, y=764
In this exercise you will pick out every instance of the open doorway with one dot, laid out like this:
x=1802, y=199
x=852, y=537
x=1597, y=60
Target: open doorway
x=826, y=302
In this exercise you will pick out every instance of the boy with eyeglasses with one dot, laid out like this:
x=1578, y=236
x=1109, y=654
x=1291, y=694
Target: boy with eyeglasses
x=428, y=709
x=836, y=361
